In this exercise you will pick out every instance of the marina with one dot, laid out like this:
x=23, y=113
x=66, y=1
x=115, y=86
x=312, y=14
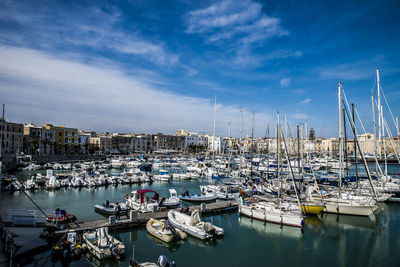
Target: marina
x=199, y=133
x=224, y=213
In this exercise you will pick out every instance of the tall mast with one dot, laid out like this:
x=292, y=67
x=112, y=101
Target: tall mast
x=280, y=157
x=252, y=144
x=286, y=128
x=340, y=134
x=215, y=114
x=355, y=145
x=397, y=125
x=229, y=148
x=379, y=115
x=1, y=143
x=240, y=141
x=384, y=142
x=374, y=122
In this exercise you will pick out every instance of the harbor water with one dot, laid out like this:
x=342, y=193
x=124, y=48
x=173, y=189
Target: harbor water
x=325, y=240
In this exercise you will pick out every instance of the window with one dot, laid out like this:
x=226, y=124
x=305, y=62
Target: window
x=60, y=134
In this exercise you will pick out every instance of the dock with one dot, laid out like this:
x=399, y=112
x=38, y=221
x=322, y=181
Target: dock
x=141, y=218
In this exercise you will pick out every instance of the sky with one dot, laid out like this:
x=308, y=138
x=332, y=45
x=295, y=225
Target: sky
x=156, y=66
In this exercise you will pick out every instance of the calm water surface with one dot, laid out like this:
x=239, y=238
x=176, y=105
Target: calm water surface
x=327, y=240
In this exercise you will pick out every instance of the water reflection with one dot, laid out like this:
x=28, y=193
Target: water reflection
x=270, y=229
x=172, y=246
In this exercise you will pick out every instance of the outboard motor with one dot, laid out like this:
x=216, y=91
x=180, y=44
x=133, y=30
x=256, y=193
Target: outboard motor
x=163, y=261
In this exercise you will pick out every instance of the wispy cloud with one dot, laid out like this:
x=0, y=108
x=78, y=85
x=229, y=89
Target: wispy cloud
x=91, y=27
x=43, y=88
x=241, y=19
x=306, y=101
x=285, y=82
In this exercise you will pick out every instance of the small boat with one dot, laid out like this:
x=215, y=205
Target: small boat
x=102, y=245
x=192, y=225
x=163, y=261
x=162, y=230
x=162, y=176
x=207, y=197
x=173, y=201
x=109, y=208
x=61, y=216
x=140, y=201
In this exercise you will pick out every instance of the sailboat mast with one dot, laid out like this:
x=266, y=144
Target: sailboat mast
x=215, y=114
x=252, y=144
x=240, y=141
x=379, y=115
x=374, y=124
x=340, y=134
x=1, y=143
x=280, y=158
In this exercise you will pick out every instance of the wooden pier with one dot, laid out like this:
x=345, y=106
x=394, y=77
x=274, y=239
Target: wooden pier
x=125, y=222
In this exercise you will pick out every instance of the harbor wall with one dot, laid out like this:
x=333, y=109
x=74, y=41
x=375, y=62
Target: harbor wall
x=42, y=159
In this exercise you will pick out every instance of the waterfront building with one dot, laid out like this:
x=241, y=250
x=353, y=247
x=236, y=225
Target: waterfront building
x=101, y=144
x=163, y=142
x=84, y=141
x=12, y=137
x=66, y=139
x=38, y=140
x=214, y=144
x=122, y=143
x=196, y=141
x=182, y=132
x=142, y=143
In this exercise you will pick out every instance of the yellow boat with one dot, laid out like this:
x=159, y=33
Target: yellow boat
x=312, y=208
x=158, y=229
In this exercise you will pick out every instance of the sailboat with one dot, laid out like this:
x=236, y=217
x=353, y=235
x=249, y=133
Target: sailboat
x=282, y=212
x=342, y=202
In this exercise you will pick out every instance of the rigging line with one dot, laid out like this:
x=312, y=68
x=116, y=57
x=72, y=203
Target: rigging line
x=390, y=138
x=376, y=160
x=384, y=121
x=358, y=116
x=390, y=110
x=354, y=129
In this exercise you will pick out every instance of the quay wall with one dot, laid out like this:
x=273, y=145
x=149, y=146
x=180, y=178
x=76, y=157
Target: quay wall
x=42, y=159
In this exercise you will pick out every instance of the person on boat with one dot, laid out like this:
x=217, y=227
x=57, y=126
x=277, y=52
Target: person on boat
x=240, y=192
x=107, y=204
x=117, y=210
x=156, y=196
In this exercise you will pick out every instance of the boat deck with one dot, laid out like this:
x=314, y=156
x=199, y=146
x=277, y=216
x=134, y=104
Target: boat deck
x=142, y=218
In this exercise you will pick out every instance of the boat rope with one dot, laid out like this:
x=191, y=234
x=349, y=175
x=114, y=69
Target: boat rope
x=37, y=206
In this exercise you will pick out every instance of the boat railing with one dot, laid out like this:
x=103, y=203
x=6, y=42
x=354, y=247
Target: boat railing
x=23, y=217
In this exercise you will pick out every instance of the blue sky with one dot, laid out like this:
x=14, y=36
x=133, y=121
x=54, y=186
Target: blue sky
x=148, y=66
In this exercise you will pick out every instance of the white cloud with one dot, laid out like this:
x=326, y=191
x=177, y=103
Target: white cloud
x=241, y=19
x=306, y=101
x=285, y=82
x=42, y=88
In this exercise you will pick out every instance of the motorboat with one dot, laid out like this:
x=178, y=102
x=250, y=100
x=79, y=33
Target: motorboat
x=102, y=245
x=31, y=184
x=193, y=225
x=116, y=164
x=52, y=183
x=207, y=197
x=163, y=231
x=163, y=176
x=109, y=208
x=61, y=216
x=173, y=201
x=140, y=201
x=221, y=191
